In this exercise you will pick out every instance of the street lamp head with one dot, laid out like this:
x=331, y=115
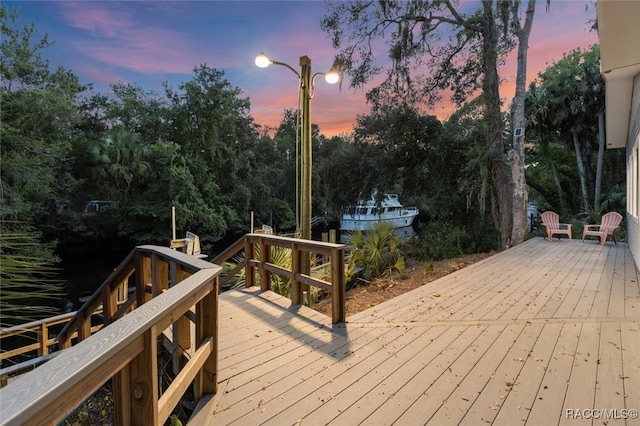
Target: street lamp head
x=332, y=77
x=263, y=60
x=335, y=73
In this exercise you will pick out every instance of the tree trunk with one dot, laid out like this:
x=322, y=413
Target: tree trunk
x=499, y=168
x=601, y=142
x=516, y=153
x=556, y=178
x=583, y=183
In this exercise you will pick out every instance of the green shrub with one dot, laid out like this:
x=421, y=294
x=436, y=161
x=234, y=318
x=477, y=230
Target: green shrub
x=377, y=251
x=428, y=266
x=439, y=240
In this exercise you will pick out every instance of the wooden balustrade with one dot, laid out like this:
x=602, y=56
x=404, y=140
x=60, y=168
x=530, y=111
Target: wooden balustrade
x=139, y=302
x=260, y=261
x=114, y=295
x=39, y=333
x=126, y=350
x=150, y=270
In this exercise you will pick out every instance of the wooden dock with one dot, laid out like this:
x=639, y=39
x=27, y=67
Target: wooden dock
x=544, y=333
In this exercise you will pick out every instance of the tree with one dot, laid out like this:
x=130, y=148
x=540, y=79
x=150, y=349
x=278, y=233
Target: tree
x=209, y=120
x=570, y=93
x=121, y=158
x=540, y=124
x=406, y=140
x=466, y=62
x=516, y=153
x=39, y=115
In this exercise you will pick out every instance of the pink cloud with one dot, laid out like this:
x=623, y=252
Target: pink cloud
x=98, y=74
x=103, y=22
x=117, y=39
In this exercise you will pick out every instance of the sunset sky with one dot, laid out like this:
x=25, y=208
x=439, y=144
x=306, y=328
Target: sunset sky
x=146, y=43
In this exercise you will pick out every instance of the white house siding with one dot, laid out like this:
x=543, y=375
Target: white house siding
x=633, y=174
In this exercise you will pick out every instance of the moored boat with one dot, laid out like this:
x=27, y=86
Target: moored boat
x=367, y=213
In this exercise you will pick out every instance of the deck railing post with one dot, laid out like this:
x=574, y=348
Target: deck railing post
x=338, y=296
x=109, y=304
x=159, y=275
x=123, y=290
x=249, y=269
x=121, y=388
x=265, y=257
x=296, y=268
x=84, y=326
x=207, y=325
x=142, y=276
x=43, y=336
x=181, y=331
x=144, y=382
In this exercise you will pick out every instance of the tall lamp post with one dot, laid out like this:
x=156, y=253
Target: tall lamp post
x=306, y=80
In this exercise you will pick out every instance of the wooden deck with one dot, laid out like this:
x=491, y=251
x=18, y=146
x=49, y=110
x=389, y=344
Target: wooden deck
x=539, y=335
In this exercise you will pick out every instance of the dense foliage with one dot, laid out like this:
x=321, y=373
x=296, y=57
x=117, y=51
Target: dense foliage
x=571, y=172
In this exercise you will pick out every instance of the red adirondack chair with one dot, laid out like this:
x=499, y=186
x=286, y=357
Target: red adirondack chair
x=551, y=221
x=610, y=222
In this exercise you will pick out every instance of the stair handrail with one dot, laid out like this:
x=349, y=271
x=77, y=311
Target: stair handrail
x=126, y=351
x=114, y=295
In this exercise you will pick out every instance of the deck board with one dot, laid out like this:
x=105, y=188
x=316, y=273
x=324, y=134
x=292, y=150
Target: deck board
x=518, y=338
x=581, y=387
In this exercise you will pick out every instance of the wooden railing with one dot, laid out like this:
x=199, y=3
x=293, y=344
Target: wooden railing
x=140, y=301
x=32, y=343
x=126, y=349
x=153, y=270
x=259, y=261
x=40, y=333
x=41, y=340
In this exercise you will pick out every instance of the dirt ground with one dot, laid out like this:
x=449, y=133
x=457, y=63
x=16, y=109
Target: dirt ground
x=368, y=294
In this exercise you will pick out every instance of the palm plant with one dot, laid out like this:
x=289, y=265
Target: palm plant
x=121, y=157
x=613, y=200
x=30, y=286
x=377, y=251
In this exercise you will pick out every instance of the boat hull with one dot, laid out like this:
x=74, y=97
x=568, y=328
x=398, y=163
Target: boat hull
x=365, y=222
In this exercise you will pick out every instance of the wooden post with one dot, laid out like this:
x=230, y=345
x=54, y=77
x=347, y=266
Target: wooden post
x=181, y=330
x=159, y=275
x=184, y=324
x=143, y=276
x=338, y=296
x=121, y=387
x=64, y=341
x=249, y=270
x=144, y=382
x=109, y=304
x=265, y=257
x=207, y=325
x=122, y=293
x=84, y=325
x=43, y=336
x=296, y=268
